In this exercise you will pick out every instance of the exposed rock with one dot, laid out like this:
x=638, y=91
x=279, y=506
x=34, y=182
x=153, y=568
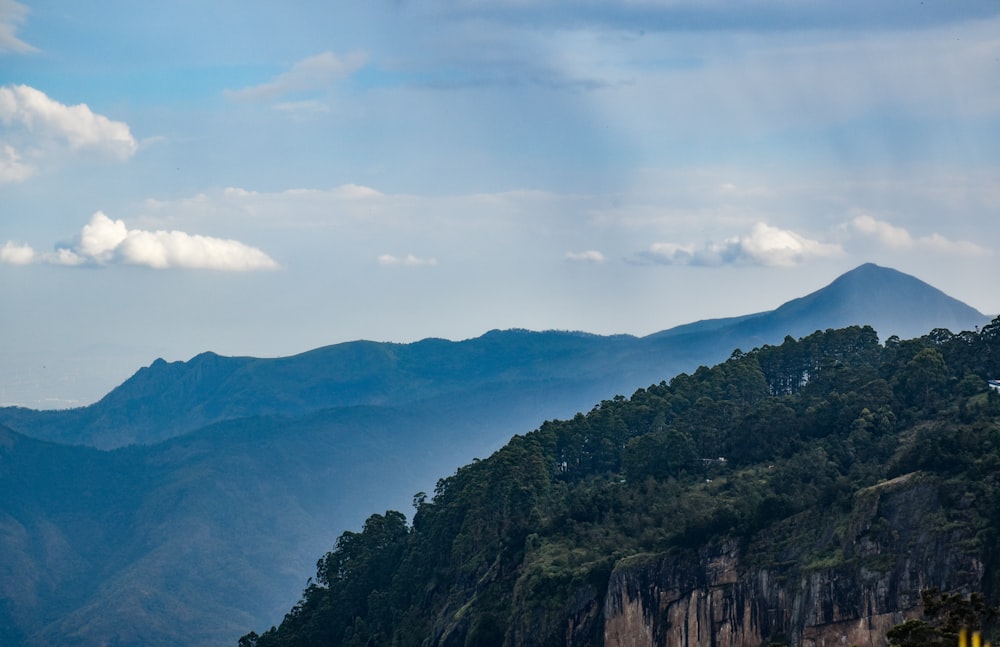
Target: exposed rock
x=816, y=591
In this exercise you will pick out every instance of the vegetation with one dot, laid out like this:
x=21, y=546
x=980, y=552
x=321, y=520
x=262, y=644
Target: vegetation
x=944, y=616
x=520, y=541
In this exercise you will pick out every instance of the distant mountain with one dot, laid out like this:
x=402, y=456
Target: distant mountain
x=170, y=399
x=562, y=372
x=186, y=541
x=891, y=302
x=219, y=480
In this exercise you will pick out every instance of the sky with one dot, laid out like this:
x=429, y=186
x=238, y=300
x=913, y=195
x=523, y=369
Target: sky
x=260, y=178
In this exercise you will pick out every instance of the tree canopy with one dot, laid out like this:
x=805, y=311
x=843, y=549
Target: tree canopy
x=507, y=544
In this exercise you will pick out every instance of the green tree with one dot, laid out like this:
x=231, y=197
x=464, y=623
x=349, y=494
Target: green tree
x=923, y=378
x=944, y=615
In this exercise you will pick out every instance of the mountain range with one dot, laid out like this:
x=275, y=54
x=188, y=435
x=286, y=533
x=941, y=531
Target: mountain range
x=552, y=373
x=826, y=491
x=187, y=504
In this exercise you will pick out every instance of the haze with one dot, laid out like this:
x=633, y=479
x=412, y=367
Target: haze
x=256, y=179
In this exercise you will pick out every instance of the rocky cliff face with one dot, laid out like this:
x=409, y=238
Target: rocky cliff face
x=843, y=581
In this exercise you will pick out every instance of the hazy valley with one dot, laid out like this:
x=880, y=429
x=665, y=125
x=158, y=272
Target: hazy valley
x=190, y=504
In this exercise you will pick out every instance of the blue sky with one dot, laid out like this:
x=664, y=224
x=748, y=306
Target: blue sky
x=262, y=179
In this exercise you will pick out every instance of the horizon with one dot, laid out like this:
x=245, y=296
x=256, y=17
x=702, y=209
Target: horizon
x=399, y=171
x=160, y=360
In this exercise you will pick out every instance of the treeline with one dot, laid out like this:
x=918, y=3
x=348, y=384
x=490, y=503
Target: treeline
x=513, y=545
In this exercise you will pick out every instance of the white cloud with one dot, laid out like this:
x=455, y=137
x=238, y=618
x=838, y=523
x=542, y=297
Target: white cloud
x=25, y=107
x=104, y=241
x=589, y=256
x=898, y=238
x=409, y=260
x=37, y=130
x=768, y=245
x=11, y=167
x=765, y=245
x=100, y=237
x=889, y=235
x=313, y=73
x=775, y=247
x=671, y=253
x=63, y=256
x=15, y=254
x=12, y=14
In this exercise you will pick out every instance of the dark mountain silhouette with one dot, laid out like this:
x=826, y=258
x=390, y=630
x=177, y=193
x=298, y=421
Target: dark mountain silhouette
x=231, y=474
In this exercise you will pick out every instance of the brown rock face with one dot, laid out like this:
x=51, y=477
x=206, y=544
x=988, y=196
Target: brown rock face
x=816, y=588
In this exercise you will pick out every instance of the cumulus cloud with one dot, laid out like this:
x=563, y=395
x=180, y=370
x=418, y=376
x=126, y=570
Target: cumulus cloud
x=104, y=241
x=772, y=246
x=408, y=260
x=589, y=256
x=12, y=14
x=898, y=238
x=77, y=126
x=313, y=73
x=35, y=129
x=674, y=254
x=764, y=245
x=15, y=254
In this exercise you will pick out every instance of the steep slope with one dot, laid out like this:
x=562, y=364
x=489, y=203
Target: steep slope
x=854, y=476
x=194, y=539
x=190, y=540
x=818, y=591
x=570, y=369
x=61, y=519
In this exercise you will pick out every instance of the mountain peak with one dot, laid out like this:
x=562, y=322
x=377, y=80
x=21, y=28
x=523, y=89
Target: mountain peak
x=892, y=302
x=871, y=271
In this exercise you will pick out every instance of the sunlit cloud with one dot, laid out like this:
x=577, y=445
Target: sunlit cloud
x=12, y=15
x=16, y=254
x=409, y=260
x=764, y=245
x=313, y=73
x=104, y=241
x=25, y=107
x=589, y=256
x=898, y=238
x=37, y=130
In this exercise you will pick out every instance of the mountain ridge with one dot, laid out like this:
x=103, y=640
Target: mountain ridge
x=857, y=476
x=127, y=544
x=838, y=303
x=167, y=399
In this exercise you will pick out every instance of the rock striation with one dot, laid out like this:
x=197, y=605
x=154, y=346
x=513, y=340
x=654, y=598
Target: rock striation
x=815, y=585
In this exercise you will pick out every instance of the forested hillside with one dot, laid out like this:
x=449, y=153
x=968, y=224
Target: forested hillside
x=198, y=538
x=810, y=489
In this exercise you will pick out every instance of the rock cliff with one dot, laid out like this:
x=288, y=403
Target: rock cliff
x=842, y=580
